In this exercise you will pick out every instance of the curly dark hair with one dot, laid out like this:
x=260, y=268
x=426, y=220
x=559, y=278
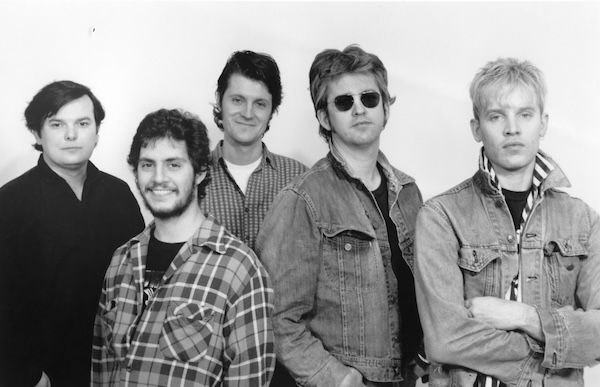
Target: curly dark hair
x=178, y=125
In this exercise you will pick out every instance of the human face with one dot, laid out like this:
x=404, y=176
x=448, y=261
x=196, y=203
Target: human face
x=510, y=128
x=247, y=109
x=166, y=178
x=69, y=137
x=358, y=127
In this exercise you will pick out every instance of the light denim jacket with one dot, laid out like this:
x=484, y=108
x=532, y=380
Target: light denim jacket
x=466, y=246
x=336, y=300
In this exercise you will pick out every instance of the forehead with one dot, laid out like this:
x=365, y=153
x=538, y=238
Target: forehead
x=79, y=108
x=351, y=83
x=239, y=84
x=509, y=96
x=164, y=148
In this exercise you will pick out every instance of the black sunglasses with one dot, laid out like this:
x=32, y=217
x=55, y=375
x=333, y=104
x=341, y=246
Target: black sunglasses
x=369, y=99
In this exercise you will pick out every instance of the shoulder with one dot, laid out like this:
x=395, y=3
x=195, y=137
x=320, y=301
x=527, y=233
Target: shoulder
x=286, y=165
x=459, y=199
x=21, y=190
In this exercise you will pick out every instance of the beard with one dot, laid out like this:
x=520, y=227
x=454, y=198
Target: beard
x=175, y=210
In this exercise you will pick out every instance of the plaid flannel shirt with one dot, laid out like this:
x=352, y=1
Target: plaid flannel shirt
x=208, y=323
x=243, y=214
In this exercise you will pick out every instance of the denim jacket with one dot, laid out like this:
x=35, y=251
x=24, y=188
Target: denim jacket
x=466, y=246
x=336, y=299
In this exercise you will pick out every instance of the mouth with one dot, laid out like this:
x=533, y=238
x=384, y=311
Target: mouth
x=160, y=191
x=512, y=145
x=362, y=123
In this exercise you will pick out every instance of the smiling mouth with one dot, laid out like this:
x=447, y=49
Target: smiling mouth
x=160, y=191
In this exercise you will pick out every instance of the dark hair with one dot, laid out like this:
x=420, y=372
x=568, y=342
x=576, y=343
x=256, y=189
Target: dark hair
x=51, y=98
x=178, y=125
x=331, y=63
x=257, y=66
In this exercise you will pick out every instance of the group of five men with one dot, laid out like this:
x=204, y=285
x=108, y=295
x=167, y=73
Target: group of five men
x=257, y=270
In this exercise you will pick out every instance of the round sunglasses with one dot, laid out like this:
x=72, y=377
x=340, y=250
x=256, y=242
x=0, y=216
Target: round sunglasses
x=369, y=99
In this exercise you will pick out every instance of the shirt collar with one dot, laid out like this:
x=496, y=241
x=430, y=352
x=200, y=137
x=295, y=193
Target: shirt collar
x=92, y=173
x=267, y=156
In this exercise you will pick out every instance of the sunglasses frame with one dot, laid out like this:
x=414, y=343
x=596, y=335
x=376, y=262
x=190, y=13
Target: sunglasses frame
x=337, y=103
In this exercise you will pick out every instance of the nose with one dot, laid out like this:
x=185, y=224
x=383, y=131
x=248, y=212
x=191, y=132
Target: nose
x=159, y=174
x=247, y=111
x=357, y=107
x=71, y=133
x=511, y=127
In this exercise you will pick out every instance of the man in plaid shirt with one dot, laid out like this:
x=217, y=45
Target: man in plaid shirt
x=184, y=303
x=246, y=176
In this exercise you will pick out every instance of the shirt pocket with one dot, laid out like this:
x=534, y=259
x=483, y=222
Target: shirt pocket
x=563, y=262
x=479, y=266
x=186, y=332
x=349, y=260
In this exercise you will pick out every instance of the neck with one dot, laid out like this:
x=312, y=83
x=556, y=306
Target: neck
x=75, y=177
x=241, y=154
x=517, y=181
x=180, y=228
x=360, y=163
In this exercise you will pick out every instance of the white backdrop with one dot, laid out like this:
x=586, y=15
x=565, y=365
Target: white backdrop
x=140, y=56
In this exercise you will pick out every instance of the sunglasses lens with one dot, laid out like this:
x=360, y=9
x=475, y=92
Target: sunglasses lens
x=370, y=100
x=343, y=102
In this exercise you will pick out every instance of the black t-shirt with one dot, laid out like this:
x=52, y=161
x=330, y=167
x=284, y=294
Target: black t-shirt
x=160, y=256
x=516, y=202
x=411, y=326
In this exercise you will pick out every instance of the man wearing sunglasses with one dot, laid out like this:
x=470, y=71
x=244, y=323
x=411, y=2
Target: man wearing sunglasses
x=338, y=241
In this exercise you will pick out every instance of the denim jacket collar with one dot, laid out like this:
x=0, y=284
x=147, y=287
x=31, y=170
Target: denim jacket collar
x=396, y=178
x=555, y=179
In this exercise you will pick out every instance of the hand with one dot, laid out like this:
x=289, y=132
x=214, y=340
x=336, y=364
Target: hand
x=506, y=315
x=352, y=379
x=44, y=381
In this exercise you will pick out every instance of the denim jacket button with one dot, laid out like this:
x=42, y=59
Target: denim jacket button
x=347, y=247
x=397, y=370
x=499, y=203
x=511, y=238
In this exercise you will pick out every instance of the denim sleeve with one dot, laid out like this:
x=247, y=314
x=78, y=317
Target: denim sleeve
x=572, y=336
x=451, y=335
x=289, y=246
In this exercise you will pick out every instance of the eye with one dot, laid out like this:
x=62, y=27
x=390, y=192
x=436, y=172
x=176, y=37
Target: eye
x=84, y=124
x=495, y=117
x=174, y=165
x=262, y=104
x=236, y=100
x=144, y=165
x=55, y=124
x=526, y=115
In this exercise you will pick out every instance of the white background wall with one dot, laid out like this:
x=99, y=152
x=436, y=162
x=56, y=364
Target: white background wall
x=140, y=56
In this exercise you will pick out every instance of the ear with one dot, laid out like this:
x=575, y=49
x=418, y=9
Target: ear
x=38, y=137
x=475, y=130
x=544, y=124
x=323, y=118
x=199, y=177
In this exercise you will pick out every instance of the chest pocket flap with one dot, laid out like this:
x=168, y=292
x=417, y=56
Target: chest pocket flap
x=474, y=259
x=568, y=247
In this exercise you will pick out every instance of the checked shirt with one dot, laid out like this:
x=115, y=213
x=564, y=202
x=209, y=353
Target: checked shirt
x=208, y=323
x=243, y=214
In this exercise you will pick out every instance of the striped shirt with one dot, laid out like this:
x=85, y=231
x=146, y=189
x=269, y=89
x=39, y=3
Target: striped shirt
x=208, y=323
x=243, y=214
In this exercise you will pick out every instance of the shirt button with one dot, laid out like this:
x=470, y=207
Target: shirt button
x=511, y=238
x=347, y=247
x=246, y=209
x=499, y=203
x=128, y=368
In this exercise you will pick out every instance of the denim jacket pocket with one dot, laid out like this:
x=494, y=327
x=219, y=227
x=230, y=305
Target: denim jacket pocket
x=349, y=260
x=479, y=267
x=186, y=332
x=563, y=260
